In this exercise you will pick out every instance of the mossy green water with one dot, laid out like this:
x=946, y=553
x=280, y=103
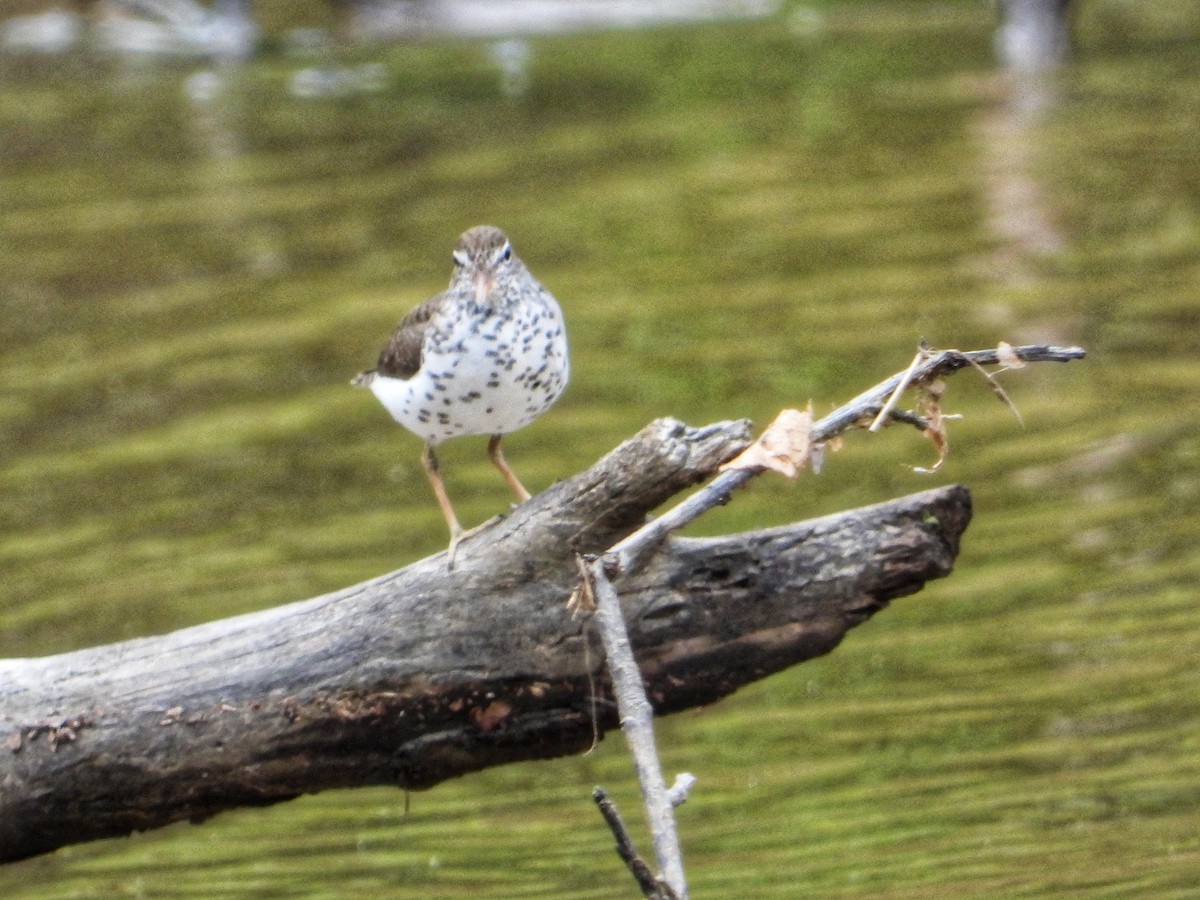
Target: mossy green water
x=735, y=219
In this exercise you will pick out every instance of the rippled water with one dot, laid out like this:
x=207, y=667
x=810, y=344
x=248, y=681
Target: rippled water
x=735, y=218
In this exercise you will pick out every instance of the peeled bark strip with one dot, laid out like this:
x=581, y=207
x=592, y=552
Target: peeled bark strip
x=425, y=674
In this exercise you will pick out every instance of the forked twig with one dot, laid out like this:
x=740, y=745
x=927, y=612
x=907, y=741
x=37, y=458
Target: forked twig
x=651, y=887
x=791, y=441
x=717, y=492
x=637, y=724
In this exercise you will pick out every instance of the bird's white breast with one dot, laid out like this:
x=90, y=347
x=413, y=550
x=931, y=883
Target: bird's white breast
x=486, y=373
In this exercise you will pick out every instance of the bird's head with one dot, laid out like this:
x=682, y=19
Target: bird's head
x=483, y=253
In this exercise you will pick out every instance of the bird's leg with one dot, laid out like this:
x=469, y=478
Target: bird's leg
x=429, y=461
x=510, y=476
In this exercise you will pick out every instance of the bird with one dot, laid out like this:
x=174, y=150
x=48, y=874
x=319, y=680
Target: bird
x=486, y=356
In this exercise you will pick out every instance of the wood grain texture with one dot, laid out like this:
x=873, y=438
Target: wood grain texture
x=424, y=674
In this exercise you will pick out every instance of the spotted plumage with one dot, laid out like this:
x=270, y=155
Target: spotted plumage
x=486, y=356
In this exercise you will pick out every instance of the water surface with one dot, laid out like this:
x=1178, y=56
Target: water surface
x=735, y=218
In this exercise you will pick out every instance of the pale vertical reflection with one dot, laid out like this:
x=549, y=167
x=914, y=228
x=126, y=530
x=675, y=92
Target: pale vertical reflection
x=1019, y=209
x=512, y=56
x=223, y=183
x=1032, y=44
x=1033, y=34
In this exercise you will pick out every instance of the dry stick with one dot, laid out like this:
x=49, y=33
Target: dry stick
x=634, y=707
x=906, y=378
x=717, y=492
x=651, y=886
x=637, y=724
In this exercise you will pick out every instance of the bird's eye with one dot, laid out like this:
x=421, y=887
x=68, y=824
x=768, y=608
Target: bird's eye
x=461, y=258
x=507, y=254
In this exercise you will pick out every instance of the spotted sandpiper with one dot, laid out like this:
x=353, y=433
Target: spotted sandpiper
x=486, y=356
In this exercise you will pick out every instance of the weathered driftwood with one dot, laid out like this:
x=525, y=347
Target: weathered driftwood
x=425, y=673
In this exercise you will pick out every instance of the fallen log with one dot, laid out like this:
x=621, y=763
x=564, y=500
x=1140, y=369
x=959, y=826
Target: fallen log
x=428, y=673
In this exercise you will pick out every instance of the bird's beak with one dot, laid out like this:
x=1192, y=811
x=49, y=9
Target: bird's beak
x=481, y=280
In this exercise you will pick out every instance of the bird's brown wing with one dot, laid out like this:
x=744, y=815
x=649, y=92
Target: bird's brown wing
x=402, y=356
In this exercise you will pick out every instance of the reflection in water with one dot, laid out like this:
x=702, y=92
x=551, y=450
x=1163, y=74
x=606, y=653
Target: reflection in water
x=512, y=56
x=227, y=29
x=318, y=82
x=140, y=27
x=54, y=31
x=1019, y=210
x=488, y=18
x=1033, y=34
x=216, y=131
x=1032, y=42
x=178, y=27
x=227, y=32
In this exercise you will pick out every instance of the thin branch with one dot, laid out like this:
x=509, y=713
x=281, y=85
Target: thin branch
x=637, y=724
x=651, y=887
x=626, y=554
x=785, y=445
x=990, y=377
x=945, y=362
x=905, y=380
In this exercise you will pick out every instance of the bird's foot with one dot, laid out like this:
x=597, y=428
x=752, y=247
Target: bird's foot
x=459, y=537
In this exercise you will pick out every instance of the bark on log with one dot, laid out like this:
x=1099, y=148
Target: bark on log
x=425, y=673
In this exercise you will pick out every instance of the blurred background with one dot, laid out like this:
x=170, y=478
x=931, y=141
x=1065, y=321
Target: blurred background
x=212, y=217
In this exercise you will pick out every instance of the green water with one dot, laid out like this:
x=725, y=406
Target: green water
x=735, y=219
